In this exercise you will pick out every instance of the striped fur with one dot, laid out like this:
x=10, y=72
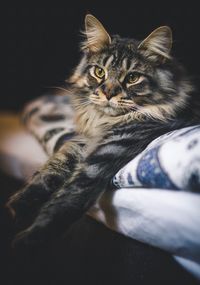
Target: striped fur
x=115, y=120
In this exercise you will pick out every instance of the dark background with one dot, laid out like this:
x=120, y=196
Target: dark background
x=42, y=40
x=41, y=47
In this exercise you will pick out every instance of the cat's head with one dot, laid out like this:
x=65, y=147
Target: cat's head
x=119, y=75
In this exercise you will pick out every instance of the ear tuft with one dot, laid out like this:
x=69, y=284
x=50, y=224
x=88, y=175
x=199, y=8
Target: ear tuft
x=157, y=45
x=96, y=36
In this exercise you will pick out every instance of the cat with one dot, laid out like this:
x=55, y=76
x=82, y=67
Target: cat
x=125, y=93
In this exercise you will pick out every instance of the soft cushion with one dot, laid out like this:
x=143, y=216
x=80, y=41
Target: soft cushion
x=172, y=161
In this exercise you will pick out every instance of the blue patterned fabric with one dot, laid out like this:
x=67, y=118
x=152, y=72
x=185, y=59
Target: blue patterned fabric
x=172, y=161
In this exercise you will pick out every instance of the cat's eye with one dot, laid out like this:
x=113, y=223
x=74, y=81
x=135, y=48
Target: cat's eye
x=132, y=78
x=99, y=72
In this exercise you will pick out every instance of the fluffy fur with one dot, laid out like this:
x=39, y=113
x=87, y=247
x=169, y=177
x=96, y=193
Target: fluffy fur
x=125, y=94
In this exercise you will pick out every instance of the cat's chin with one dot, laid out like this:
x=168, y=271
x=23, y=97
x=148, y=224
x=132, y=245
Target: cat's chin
x=112, y=111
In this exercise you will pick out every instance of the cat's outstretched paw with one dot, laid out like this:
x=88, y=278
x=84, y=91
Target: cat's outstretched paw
x=31, y=238
x=24, y=205
x=15, y=206
x=20, y=211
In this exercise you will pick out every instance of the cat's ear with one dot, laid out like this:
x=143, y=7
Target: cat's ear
x=158, y=44
x=96, y=36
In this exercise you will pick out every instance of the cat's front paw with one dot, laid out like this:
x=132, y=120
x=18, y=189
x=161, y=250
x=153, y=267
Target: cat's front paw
x=23, y=206
x=15, y=205
x=21, y=240
x=30, y=238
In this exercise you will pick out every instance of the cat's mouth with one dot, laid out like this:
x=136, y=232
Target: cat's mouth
x=112, y=107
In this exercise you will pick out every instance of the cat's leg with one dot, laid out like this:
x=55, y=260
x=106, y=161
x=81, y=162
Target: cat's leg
x=25, y=204
x=72, y=201
x=49, y=118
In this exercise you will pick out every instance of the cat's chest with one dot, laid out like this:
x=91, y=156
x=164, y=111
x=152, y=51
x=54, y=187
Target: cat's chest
x=92, y=123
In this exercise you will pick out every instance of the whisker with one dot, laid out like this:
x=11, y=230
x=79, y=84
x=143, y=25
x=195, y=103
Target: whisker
x=152, y=114
x=58, y=88
x=85, y=104
x=82, y=104
x=126, y=101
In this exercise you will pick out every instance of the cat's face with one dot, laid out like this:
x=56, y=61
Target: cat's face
x=121, y=76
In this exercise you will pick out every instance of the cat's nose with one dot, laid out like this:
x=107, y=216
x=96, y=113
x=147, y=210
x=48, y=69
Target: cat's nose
x=109, y=95
x=111, y=90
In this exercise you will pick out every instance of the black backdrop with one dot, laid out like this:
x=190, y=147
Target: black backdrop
x=41, y=47
x=42, y=39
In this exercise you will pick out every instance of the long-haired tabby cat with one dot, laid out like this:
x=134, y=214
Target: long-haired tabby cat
x=125, y=94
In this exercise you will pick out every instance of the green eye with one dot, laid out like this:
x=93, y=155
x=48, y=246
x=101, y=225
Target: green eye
x=99, y=72
x=132, y=78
